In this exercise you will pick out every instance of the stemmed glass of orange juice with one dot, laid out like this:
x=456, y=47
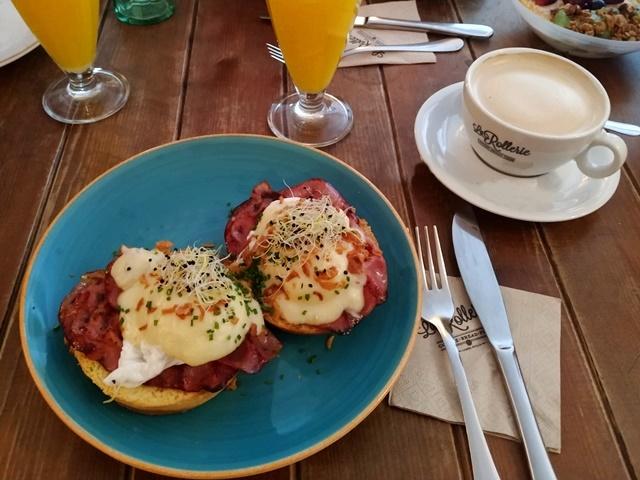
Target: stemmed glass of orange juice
x=68, y=31
x=312, y=35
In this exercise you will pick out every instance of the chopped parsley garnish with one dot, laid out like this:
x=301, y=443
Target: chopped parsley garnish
x=255, y=278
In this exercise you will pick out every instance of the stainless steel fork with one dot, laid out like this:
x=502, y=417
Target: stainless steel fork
x=444, y=45
x=437, y=309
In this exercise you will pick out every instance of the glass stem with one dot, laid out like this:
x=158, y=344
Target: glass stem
x=311, y=103
x=80, y=84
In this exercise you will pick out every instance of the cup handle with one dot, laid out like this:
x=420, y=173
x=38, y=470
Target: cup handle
x=613, y=143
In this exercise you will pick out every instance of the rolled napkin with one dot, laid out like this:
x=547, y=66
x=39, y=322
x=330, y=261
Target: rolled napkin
x=426, y=385
x=405, y=10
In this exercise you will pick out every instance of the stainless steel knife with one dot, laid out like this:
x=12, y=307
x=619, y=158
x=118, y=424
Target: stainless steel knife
x=456, y=29
x=468, y=30
x=482, y=286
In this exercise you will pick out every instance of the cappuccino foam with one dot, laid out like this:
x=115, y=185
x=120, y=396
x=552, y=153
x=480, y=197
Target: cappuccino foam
x=538, y=93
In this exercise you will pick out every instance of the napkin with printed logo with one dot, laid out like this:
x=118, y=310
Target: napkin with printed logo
x=426, y=385
x=405, y=10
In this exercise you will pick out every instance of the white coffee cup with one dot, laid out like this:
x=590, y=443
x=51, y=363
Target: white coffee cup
x=528, y=111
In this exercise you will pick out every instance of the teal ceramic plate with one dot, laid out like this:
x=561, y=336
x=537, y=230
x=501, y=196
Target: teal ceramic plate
x=299, y=403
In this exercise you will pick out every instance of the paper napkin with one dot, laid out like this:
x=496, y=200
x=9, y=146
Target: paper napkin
x=405, y=10
x=426, y=385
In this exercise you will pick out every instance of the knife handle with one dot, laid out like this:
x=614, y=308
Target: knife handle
x=539, y=463
x=455, y=29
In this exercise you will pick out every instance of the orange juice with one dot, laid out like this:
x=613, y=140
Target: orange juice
x=312, y=35
x=67, y=29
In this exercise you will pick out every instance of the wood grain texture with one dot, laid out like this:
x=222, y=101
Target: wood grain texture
x=31, y=144
x=287, y=473
x=391, y=445
x=29, y=140
x=596, y=256
x=153, y=60
x=34, y=443
x=520, y=261
x=231, y=80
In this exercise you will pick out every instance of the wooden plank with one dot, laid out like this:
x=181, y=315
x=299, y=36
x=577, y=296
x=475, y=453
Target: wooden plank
x=520, y=262
x=30, y=141
x=598, y=263
x=280, y=474
x=597, y=257
x=232, y=81
x=390, y=444
x=35, y=443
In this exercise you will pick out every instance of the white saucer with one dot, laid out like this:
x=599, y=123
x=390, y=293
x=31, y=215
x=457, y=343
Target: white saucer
x=16, y=39
x=563, y=194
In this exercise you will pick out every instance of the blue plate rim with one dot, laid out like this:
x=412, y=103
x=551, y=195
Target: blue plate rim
x=212, y=474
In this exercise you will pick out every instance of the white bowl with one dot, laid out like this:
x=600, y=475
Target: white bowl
x=574, y=43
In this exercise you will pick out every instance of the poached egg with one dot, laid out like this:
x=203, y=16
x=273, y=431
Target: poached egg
x=178, y=307
x=303, y=247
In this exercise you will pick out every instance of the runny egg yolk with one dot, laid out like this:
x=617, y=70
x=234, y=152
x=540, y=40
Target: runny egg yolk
x=312, y=285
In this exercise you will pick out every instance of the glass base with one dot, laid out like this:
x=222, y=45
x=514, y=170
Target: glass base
x=143, y=12
x=86, y=97
x=328, y=122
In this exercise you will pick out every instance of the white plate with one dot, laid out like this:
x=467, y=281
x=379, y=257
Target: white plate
x=16, y=39
x=564, y=194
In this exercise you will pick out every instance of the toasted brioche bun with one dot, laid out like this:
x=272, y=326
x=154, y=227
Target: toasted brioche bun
x=144, y=399
x=305, y=329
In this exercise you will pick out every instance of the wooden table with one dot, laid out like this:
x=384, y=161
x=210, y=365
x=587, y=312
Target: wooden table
x=205, y=71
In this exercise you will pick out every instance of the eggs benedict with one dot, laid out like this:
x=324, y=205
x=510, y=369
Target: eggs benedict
x=164, y=330
x=315, y=266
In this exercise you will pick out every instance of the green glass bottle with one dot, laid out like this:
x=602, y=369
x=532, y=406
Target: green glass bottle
x=143, y=12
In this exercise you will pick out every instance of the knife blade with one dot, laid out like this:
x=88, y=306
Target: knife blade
x=482, y=286
x=468, y=30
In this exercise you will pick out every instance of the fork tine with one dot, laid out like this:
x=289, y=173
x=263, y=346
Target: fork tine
x=275, y=52
x=278, y=59
x=274, y=49
x=432, y=273
x=442, y=270
x=419, y=247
